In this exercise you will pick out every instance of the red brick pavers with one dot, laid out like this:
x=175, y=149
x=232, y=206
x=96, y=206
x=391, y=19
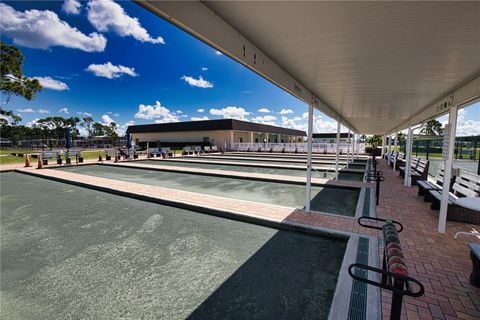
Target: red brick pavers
x=439, y=261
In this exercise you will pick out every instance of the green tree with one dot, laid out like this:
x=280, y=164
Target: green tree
x=87, y=125
x=9, y=114
x=12, y=80
x=111, y=130
x=374, y=140
x=433, y=128
x=98, y=129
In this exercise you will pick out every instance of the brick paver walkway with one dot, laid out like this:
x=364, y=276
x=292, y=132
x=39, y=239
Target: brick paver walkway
x=439, y=261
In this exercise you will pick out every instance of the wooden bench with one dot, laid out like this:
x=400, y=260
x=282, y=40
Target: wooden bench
x=154, y=152
x=421, y=172
x=466, y=185
x=197, y=149
x=47, y=155
x=166, y=152
x=475, y=256
x=413, y=167
x=425, y=186
x=77, y=154
x=187, y=151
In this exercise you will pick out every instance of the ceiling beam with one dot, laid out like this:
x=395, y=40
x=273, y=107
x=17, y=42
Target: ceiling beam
x=198, y=20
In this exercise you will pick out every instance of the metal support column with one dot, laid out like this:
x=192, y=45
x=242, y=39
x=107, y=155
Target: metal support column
x=348, y=148
x=383, y=146
x=448, y=158
x=308, y=192
x=395, y=148
x=337, y=150
x=408, y=181
x=389, y=148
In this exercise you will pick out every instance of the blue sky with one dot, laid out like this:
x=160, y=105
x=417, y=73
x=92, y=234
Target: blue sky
x=118, y=62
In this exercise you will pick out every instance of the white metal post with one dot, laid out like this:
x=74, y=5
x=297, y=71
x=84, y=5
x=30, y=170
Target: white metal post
x=395, y=148
x=308, y=192
x=353, y=146
x=337, y=151
x=383, y=146
x=448, y=159
x=408, y=182
x=389, y=148
x=348, y=147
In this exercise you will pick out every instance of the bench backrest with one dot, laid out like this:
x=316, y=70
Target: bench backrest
x=422, y=165
x=166, y=149
x=467, y=184
x=394, y=156
x=50, y=154
x=206, y=148
x=152, y=150
x=439, y=175
x=214, y=148
x=187, y=149
x=414, y=163
x=197, y=148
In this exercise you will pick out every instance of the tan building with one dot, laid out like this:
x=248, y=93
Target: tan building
x=219, y=132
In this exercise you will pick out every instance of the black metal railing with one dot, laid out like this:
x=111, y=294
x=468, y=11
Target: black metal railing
x=394, y=272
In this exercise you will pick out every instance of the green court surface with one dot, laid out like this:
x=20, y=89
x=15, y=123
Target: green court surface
x=73, y=253
x=277, y=171
x=326, y=199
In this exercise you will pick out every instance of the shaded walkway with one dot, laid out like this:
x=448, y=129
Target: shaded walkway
x=439, y=261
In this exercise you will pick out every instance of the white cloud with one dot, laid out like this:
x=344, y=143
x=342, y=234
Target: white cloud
x=204, y=69
x=157, y=111
x=82, y=131
x=116, y=114
x=466, y=127
x=106, y=120
x=320, y=125
x=85, y=114
x=71, y=6
x=123, y=128
x=230, y=112
x=201, y=110
x=264, y=110
x=64, y=110
x=32, y=123
x=110, y=71
x=43, y=29
x=106, y=15
x=28, y=110
x=265, y=120
x=179, y=111
x=218, y=53
x=286, y=111
x=50, y=83
x=200, y=82
x=199, y=118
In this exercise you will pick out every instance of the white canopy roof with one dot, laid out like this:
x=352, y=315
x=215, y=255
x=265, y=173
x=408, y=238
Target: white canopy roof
x=374, y=65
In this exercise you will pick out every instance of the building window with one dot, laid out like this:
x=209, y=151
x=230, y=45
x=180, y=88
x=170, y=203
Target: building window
x=240, y=139
x=256, y=140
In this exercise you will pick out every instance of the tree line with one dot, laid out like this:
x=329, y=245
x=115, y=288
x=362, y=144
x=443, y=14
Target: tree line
x=14, y=83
